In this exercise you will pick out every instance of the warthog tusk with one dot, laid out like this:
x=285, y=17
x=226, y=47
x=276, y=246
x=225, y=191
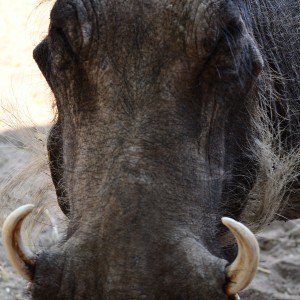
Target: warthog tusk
x=241, y=272
x=19, y=255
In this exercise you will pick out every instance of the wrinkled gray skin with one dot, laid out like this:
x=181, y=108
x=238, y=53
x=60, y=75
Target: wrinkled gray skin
x=154, y=100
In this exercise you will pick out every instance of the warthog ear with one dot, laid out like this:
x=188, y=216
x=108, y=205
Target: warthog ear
x=74, y=23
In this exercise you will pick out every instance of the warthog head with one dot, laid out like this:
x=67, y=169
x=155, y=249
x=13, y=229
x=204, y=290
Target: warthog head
x=149, y=150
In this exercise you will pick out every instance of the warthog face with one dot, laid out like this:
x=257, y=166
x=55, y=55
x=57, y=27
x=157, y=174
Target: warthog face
x=148, y=152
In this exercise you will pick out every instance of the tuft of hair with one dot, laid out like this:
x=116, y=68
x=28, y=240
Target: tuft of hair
x=25, y=178
x=275, y=141
x=278, y=170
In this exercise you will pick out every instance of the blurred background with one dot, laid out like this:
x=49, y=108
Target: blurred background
x=23, y=24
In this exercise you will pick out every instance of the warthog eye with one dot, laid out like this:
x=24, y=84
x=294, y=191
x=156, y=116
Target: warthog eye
x=70, y=26
x=59, y=36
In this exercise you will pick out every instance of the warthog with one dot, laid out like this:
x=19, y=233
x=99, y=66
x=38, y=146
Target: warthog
x=171, y=115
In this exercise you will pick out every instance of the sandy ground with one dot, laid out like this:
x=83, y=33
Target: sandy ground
x=22, y=24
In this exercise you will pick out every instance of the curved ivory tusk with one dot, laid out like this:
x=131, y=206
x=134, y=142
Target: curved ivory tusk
x=19, y=255
x=241, y=272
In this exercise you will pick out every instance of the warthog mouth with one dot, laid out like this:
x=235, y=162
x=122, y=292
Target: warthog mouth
x=239, y=274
